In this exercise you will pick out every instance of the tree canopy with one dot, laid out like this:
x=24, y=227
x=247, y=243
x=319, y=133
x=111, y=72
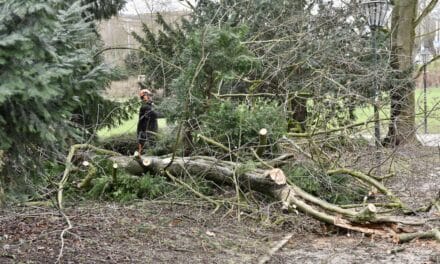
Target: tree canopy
x=309, y=48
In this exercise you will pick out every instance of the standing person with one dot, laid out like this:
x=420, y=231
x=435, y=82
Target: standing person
x=147, y=124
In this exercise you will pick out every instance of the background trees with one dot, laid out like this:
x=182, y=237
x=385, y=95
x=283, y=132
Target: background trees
x=303, y=55
x=228, y=71
x=308, y=51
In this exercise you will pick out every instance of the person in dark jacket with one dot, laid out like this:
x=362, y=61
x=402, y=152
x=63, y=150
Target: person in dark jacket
x=147, y=126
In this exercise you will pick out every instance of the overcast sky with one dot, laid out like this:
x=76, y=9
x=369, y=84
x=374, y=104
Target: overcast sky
x=134, y=7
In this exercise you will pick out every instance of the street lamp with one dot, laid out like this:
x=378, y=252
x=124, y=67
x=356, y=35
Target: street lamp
x=376, y=13
x=425, y=56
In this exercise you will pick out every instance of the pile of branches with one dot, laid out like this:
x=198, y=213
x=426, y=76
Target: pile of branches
x=267, y=178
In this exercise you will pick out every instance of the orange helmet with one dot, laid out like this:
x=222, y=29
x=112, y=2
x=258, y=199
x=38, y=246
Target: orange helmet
x=144, y=92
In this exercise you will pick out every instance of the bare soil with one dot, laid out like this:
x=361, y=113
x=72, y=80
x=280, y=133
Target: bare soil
x=162, y=232
x=189, y=232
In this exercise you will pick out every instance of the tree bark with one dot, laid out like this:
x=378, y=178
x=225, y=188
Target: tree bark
x=298, y=106
x=402, y=126
x=270, y=181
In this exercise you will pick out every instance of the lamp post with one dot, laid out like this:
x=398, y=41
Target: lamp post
x=376, y=12
x=425, y=56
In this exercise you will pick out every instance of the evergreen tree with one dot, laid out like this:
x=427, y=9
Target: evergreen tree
x=51, y=83
x=103, y=9
x=305, y=47
x=160, y=53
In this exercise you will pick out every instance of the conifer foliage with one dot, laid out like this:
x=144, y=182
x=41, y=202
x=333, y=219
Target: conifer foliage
x=50, y=89
x=305, y=49
x=103, y=9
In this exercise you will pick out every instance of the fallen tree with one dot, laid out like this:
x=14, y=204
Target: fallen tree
x=271, y=181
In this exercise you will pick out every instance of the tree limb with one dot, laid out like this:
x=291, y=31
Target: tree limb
x=428, y=9
x=367, y=179
x=420, y=70
x=308, y=135
x=433, y=234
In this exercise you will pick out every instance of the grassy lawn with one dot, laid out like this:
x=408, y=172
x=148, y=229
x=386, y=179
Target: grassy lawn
x=127, y=127
x=433, y=96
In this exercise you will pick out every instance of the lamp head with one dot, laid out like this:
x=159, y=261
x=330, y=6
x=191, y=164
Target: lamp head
x=376, y=12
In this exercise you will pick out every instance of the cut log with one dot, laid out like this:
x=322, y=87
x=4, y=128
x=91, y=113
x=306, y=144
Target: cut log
x=91, y=173
x=262, y=141
x=114, y=173
x=277, y=176
x=271, y=182
x=366, y=215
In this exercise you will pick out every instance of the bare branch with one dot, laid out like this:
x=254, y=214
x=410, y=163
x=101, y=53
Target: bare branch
x=140, y=50
x=428, y=9
x=420, y=70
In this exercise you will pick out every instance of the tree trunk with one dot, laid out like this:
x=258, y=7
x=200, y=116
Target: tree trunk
x=402, y=126
x=298, y=106
x=269, y=181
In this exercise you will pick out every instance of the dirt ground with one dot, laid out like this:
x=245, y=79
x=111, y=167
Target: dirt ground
x=161, y=232
x=187, y=231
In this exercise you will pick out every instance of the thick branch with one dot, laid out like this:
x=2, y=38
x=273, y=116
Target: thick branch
x=367, y=179
x=433, y=234
x=428, y=9
x=329, y=131
x=420, y=70
x=91, y=173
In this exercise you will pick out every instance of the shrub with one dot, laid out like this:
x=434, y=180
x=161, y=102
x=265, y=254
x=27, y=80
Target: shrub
x=338, y=189
x=129, y=187
x=237, y=124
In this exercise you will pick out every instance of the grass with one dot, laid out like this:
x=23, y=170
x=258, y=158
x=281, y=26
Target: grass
x=127, y=127
x=433, y=100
